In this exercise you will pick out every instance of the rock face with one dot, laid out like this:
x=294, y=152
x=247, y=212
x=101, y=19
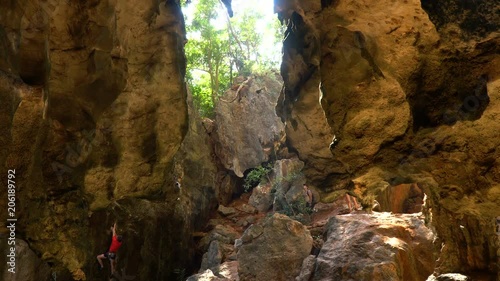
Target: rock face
x=467, y=18
x=283, y=190
x=93, y=116
x=273, y=250
x=28, y=267
x=288, y=179
x=403, y=198
x=213, y=257
x=375, y=247
x=307, y=269
x=222, y=234
x=262, y=198
x=410, y=91
x=248, y=129
x=94, y=121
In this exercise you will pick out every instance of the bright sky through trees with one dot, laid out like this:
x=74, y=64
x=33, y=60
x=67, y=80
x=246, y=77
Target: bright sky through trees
x=220, y=49
x=269, y=48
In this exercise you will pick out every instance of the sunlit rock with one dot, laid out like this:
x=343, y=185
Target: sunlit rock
x=376, y=247
x=248, y=129
x=273, y=250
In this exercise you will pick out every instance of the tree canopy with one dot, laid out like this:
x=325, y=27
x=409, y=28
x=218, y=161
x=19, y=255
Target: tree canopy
x=220, y=48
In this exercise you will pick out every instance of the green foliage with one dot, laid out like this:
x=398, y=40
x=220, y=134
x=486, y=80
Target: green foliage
x=246, y=42
x=295, y=208
x=202, y=98
x=256, y=175
x=216, y=53
x=206, y=54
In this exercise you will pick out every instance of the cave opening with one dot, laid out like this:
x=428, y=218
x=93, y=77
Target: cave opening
x=227, y=42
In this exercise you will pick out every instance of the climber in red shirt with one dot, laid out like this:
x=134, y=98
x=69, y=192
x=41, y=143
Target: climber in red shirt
x=116, y=243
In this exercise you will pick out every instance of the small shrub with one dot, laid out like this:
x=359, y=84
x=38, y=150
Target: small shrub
x=255, y=176
x=300, y=206
x=296, y=208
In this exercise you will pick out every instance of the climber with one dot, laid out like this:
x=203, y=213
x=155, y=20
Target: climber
x=308, y=196
x=116, y=243
x=350, y=198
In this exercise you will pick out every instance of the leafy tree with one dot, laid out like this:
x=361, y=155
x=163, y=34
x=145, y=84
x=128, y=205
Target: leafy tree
x=245, y=54
x=206, y=53
x=220, y=48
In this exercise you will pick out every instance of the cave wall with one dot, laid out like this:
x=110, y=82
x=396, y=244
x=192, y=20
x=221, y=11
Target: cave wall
x=93, y=114
x=410, y=91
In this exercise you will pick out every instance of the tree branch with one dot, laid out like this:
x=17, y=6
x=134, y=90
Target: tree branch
x=238, y=91
x=230, y=27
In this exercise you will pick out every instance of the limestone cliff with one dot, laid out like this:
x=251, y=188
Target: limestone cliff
x=93, y=112
x=410, y=89
x=387, y=99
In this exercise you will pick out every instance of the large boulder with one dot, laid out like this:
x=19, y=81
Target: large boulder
x=376, y=247
x=274, y=249
x=213, y=257
x=262, y=198
x=307, y=269
x=225, y=234
x=287, y=181
x=284, y=192
x=248, y=129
